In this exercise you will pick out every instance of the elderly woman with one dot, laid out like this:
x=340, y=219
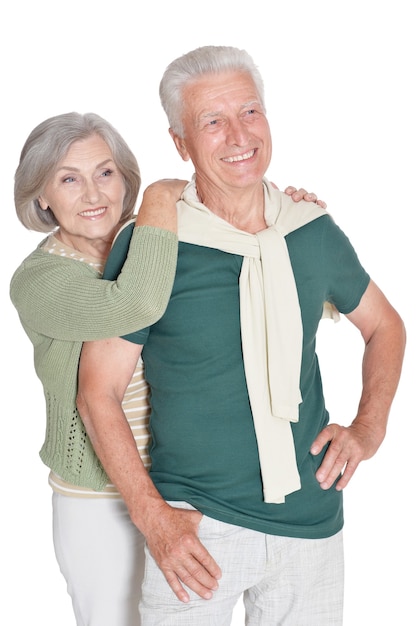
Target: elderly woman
x=78, y=181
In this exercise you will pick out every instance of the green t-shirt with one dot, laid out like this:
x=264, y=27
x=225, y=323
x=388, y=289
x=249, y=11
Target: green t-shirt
x=204, y=447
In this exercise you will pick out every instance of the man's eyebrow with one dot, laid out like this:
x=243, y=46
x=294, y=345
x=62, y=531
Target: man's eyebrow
x=242, y=106
x=210, y=114
x=250, y=103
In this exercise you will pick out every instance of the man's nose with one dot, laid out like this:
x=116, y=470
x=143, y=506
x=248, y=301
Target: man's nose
x=237, y=133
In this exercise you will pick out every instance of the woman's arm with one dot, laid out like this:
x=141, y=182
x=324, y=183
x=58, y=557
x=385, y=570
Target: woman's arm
x=63, y=299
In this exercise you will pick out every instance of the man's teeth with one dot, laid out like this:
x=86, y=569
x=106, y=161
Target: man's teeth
x=93, y=213
x=240, y=157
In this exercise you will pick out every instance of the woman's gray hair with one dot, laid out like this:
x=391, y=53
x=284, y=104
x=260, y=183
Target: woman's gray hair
x=47, y=145
x=193, y=65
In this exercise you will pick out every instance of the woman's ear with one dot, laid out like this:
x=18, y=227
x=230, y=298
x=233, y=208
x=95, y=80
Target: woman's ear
x=43, y=204
x=180, y=145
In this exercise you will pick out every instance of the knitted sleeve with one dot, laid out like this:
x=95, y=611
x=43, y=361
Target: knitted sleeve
x=64, y=299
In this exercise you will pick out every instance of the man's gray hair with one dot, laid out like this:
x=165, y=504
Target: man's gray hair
x=193, y=65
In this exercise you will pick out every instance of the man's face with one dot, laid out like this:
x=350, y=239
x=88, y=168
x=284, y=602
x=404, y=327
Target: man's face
x=226, y=133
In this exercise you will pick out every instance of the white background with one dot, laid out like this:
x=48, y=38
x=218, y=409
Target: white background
x=340, y=88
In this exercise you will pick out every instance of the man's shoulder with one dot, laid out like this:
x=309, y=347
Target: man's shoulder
x=119, y=250
x=124, y=234
x=295, y=215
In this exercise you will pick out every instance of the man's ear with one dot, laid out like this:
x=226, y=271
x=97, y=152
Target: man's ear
x=180, y=145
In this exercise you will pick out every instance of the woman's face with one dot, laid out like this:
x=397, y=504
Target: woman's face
x=85, y=193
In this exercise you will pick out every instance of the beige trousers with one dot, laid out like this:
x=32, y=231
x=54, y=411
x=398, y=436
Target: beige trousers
x=284, y=581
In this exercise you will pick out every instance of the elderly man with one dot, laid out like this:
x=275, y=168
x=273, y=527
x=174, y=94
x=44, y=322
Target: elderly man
x=243, y=451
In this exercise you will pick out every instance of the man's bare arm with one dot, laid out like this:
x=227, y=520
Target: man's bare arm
x=106, y=367
x=384, y=336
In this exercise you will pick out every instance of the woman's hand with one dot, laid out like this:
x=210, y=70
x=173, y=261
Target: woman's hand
x=158, y=206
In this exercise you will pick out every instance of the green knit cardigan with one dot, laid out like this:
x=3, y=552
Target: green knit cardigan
x=61, y=303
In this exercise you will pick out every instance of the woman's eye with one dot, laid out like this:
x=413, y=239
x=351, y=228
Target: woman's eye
x=69, y=179
x=107, y=173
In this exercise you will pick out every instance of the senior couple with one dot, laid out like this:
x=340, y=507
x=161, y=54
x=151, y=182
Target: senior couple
x=244, y=494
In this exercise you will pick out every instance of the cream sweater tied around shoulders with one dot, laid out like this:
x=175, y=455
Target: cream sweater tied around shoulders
x=271, y=324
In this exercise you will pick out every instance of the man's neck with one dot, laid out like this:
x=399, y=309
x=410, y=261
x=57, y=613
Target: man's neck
x=243, y=208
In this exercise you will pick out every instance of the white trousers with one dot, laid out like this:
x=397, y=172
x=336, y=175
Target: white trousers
x=284, y=581
x=101, y=555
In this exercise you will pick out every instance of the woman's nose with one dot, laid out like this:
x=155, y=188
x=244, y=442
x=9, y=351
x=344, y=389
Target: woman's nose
x=91, y=192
